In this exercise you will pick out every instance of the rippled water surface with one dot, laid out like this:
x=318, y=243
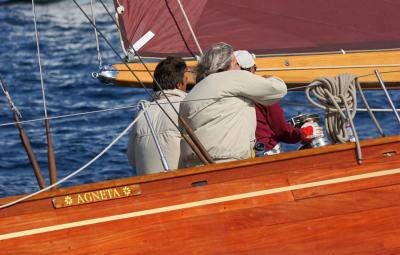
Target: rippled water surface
x=68, y=56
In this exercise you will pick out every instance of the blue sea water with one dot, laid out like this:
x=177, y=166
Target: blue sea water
x=68, y=56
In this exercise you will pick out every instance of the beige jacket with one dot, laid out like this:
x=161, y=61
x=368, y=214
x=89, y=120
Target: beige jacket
x=221, y=111
x=142, y=151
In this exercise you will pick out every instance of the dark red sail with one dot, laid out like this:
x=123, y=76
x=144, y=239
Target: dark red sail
x=262, y=26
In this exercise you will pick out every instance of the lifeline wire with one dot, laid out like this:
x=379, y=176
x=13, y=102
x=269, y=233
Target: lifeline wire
x=72, y=115
x=78, y=170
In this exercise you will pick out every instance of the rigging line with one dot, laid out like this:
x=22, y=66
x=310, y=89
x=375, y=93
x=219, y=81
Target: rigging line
x=179, y=29
x=200, y=148
x=50, y=149
x=132, y=71
x=368, y=108
x=121, y=39
x=116, y=22
x=13, y=108
x=78, y=170
x=111, y=16
x=387, y=94
x=23, y=136
x=325, y=67
x=96, y=35
x=129, y=68
x=190, y=27
x=301, y=87
x=370, y=74
x=359, y=76
x=38, y=56
x=189, y=137
x=72, y=115
x=323, y=53
x=134, y=107
x=305, y=104
x=376, y=110
x=284, y=102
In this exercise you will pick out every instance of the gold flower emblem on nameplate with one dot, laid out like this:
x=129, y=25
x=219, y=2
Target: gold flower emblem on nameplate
x=127, y=191
x=68, y=200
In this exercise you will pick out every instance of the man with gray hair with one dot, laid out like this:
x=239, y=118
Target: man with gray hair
x=220, y=108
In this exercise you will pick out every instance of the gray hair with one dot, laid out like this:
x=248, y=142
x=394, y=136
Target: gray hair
x=216, y=59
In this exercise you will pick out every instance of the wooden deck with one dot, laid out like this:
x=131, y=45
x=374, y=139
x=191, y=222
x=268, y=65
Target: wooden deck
x=298, y=70
x=272, y=205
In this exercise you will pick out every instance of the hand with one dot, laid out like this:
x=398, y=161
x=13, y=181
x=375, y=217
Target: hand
x=310, y=131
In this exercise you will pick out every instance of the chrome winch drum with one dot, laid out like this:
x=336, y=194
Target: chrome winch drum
x=299, y=120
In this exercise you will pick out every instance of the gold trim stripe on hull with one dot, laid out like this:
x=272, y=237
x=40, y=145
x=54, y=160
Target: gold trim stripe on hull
x=197, y=203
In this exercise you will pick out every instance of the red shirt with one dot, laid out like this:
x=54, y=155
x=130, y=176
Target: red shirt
x=273, y=128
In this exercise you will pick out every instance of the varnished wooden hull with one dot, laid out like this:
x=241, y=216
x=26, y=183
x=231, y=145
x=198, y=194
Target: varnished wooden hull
x=273, y=205
x=298, y=70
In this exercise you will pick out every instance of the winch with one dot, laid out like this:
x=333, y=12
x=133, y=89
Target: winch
x=299, y=120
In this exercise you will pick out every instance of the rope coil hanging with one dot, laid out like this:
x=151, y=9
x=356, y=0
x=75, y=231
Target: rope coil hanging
x=337, y=96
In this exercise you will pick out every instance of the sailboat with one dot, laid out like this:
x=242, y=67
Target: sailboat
x=325, y=200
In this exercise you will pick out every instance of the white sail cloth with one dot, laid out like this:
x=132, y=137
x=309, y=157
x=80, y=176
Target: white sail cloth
x=220, y=109
x=142, y=151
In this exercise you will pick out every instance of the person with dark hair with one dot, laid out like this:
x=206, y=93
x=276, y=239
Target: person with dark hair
x=272, y=127
x=142, y=150
x=170, y=74
x=220, y=108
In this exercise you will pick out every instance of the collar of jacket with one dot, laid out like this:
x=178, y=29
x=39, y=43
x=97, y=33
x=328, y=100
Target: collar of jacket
x=170, y=92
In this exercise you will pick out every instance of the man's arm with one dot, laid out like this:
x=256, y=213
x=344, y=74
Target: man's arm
x=283, y=130
x=265, y=91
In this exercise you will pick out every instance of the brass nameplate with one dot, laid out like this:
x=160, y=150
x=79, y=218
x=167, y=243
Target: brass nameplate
x=96, y=196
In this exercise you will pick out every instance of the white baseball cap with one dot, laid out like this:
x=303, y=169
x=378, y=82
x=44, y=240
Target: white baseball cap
x=244, y=58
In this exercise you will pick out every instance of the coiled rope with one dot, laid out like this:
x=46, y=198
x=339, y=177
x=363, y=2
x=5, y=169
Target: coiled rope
x=337, y=96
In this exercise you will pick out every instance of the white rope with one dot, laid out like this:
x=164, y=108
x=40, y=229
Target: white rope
x=120, y=36
x=334, y=95
x=96, y=35
x=190, y=27
x=80, y=169
x=337, y=96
